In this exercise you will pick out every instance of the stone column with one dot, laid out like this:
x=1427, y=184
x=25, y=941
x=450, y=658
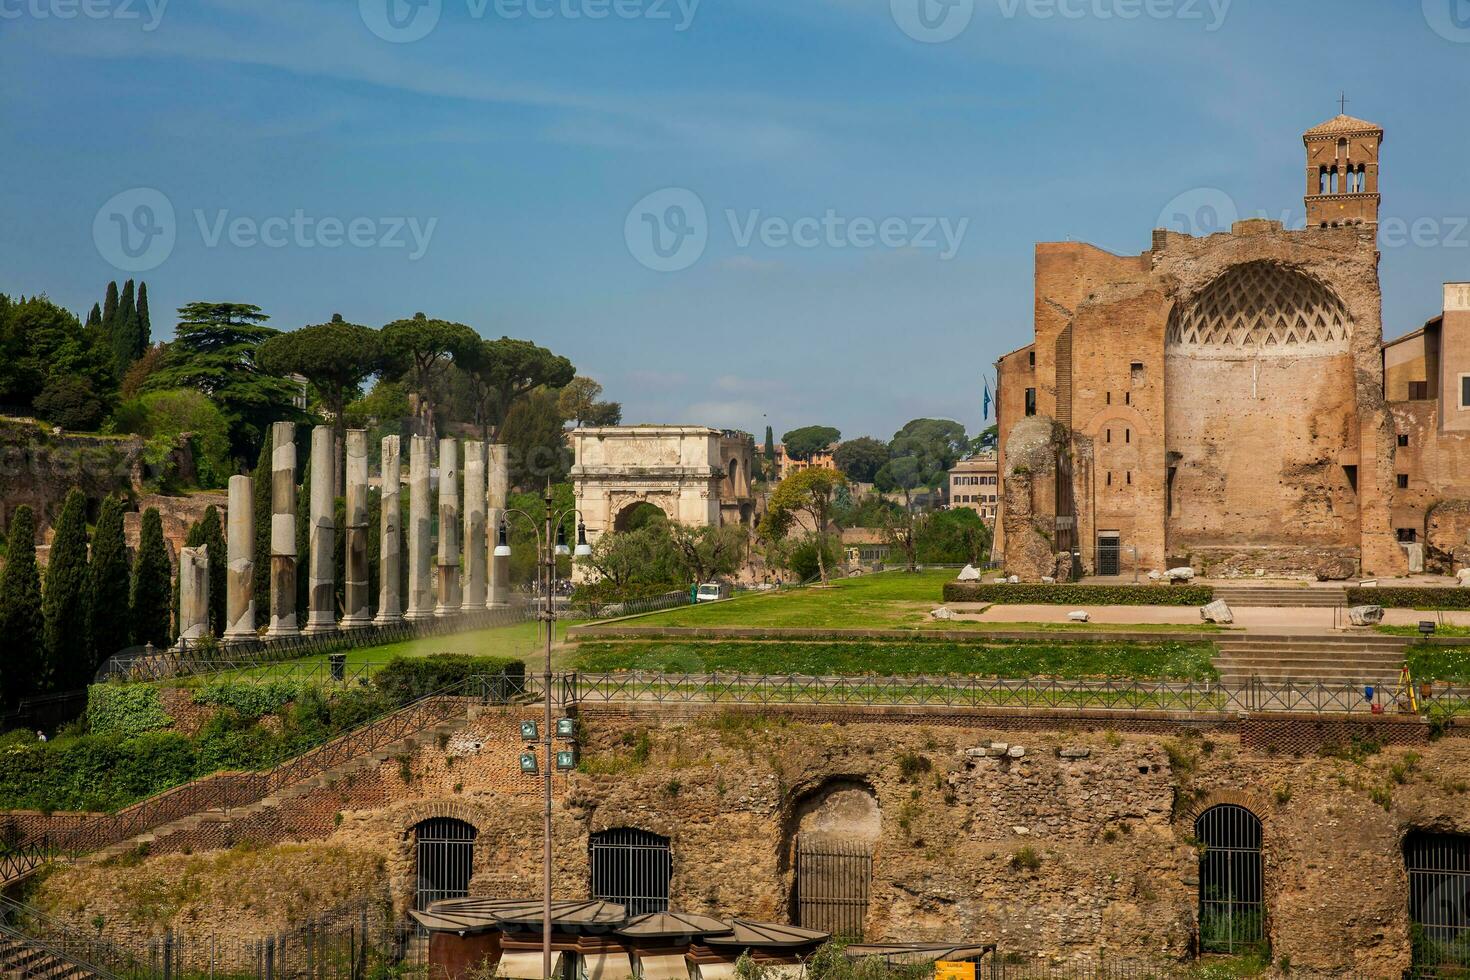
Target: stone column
x=448, y=528
x=283, y=530
x=475, y=552
x=420, y=587
x=356, y=600
x=390, y=543
x=240, y=572
x=321, y=602
x=193, y=594
x=498, y=469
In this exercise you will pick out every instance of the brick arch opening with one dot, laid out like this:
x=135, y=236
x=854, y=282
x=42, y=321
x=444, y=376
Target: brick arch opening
x=832, y=831
x=632, y=867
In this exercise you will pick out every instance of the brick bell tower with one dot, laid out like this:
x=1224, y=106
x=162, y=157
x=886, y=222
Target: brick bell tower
x=1342, y=172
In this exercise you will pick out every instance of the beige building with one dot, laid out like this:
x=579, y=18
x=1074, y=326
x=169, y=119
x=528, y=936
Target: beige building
x=694, y=475
x=786, y=464
x=1213, y=401
x=974, y=484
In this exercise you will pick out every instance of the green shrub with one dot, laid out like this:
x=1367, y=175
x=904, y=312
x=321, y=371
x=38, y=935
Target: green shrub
x=251, y=699
x=93, y=772
x=406, y=679
x=1395, y=597
x=1080, y=595
x=125, y=709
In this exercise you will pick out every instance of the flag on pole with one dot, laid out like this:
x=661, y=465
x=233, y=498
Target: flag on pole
x=986, y=416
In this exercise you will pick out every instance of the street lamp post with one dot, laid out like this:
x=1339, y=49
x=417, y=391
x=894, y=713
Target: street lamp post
x=550, y=545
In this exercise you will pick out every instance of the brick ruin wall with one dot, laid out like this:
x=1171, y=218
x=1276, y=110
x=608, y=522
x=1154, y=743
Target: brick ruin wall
x=1106, y=813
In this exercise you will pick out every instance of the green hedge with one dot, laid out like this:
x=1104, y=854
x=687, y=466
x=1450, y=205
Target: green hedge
x=408, y=678
x=1395, y=597
x=125, y=709
x=251, y=699
x=1079, y=595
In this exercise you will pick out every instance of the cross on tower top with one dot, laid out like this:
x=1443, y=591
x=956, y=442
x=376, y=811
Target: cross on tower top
x=1342, y=102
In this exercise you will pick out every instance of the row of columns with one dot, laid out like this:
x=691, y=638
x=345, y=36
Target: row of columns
x=445, y=590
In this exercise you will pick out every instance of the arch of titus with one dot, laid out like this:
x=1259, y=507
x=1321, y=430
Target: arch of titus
x=695, y=475
x=465, y=577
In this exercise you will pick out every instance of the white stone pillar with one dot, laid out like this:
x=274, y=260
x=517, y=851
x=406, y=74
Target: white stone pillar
x=283, y=530
x=498, y=470
x=449, y=598
x=475, y=552
x=240, y=572
x=420, y=583
x=193, y=594
x=356, y=602
x=390, y=543
x=321, y=600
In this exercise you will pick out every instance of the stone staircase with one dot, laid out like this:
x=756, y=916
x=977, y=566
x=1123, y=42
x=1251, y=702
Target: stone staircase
x=20, y=957
x=325, y=780
x=1295, y=596
x=1355, y=659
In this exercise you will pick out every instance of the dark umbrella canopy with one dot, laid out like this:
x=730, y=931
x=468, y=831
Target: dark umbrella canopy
x=771, y=935
x=664, y=925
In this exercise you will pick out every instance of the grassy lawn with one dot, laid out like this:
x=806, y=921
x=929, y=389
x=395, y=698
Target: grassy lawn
x=1445, y=630
x=1435, y=663
x=1183, y=660
x=522, y=641
x=891, y=599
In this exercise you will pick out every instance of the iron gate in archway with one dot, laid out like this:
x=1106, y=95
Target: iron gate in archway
x=1439, y=902
x=1232, y=906
x=632, y=868
x=832, y=884
x=444, y=852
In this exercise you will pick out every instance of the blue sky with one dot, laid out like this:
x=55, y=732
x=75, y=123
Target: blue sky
x=518, y=146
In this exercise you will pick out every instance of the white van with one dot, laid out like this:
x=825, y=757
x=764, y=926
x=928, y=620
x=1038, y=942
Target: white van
x=712, y=592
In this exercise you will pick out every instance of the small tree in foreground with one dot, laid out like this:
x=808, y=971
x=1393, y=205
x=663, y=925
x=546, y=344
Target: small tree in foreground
x=111, y=582
x=804, y=499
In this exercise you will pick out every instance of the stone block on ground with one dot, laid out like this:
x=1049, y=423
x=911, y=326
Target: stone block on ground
x=1217, y=612
x=1338, y=568
x=1365, y=615
x=943, y=612
x=1463, y=576
x=1079, y=616
x=1184, y=574
x=969, y=574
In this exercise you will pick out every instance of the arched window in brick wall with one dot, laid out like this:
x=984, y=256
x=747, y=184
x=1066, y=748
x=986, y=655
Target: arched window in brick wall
x=631, y=867
x=1439, y=901
x=1232, y=907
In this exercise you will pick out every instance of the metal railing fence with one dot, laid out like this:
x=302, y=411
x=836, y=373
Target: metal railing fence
x=1114, y=694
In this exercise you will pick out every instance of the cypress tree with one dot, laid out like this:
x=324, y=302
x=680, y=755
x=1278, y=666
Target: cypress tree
x=94, y=319
x=123, y=329
x=111, y=628
x=262, y=504
x=214, y=539
x=144, y=335
x=109, y=307
x=151, y=588
x=20, y=610
x=66, y=602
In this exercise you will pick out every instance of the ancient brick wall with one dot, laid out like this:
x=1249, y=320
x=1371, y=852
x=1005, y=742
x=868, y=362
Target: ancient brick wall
x=1075, y=844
